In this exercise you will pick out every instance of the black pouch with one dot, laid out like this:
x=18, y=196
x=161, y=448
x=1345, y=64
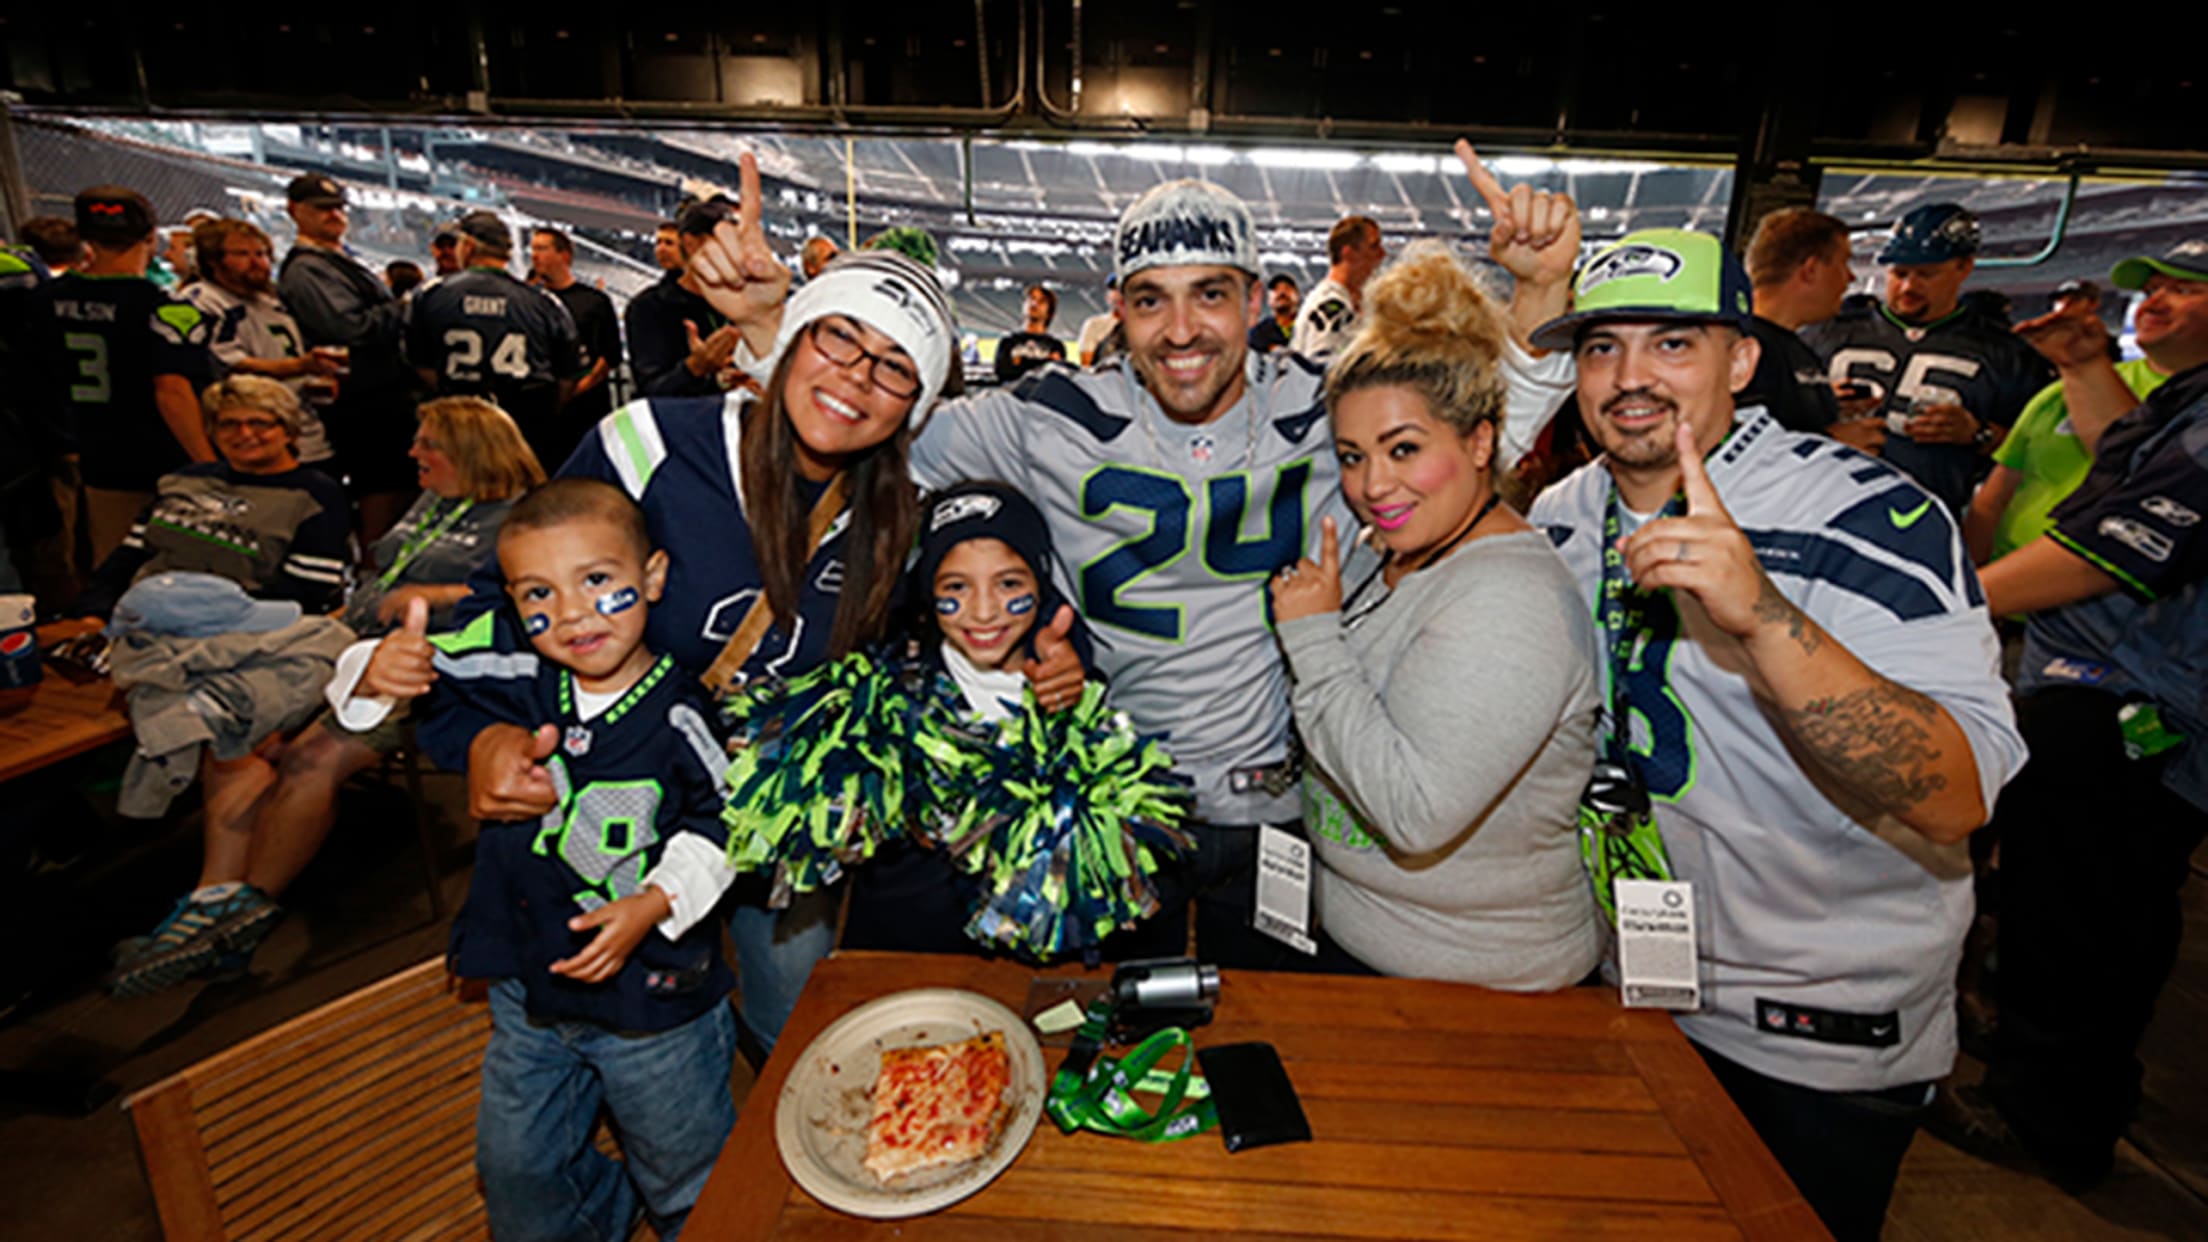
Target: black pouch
x=1256, y=1103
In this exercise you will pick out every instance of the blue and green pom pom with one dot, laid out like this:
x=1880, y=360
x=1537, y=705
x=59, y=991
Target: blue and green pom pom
x=1063, y=817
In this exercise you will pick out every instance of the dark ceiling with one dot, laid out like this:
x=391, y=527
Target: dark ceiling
x=1889, y=83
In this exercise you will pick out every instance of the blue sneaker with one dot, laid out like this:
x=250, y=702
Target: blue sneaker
x=191, y=941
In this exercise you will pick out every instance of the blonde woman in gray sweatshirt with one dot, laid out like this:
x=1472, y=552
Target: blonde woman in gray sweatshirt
x=1446, y=684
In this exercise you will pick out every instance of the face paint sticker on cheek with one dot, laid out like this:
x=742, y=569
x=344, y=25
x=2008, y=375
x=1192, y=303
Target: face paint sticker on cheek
x=1020, y=605
x=617, y=601
x=537, y=623
x=947, y=605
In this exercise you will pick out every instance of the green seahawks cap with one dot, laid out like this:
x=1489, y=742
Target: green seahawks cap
x=1655, y=274
x=2185, y=260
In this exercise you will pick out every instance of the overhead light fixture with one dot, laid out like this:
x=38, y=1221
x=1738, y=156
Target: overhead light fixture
x=1520, y=165
x=1209, y=155
x=1295, y=157
x=1407, y=163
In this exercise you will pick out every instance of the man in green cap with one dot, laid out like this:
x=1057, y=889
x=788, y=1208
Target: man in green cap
x=2047, y=454
x=2109, y=692
x=1804, y=688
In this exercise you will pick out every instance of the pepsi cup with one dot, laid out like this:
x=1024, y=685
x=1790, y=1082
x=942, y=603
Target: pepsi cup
x=18, y=641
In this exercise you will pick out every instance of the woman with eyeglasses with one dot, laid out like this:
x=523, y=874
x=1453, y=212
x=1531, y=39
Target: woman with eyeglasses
x=280, y=531
x=269, y=811
x=255, y=516
x=786, y=516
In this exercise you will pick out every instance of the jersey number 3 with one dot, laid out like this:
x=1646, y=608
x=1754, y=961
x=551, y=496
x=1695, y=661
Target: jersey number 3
x=1167, y=501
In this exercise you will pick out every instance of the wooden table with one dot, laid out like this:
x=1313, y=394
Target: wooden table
x=57, y=718
x=1439, y=1110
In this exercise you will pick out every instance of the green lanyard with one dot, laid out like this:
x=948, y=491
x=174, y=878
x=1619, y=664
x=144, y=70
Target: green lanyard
x=1623, y=612
x=1092, y=1092
x=424, y=535
x=1618, y=838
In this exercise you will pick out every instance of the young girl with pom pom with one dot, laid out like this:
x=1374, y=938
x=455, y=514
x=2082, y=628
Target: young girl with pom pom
x=970, y=820
x=981, y=584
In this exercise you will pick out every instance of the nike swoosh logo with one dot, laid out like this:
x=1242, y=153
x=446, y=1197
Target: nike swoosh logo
x=1903, y=521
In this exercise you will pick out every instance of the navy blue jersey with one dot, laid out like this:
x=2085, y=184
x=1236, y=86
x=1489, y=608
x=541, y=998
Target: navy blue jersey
x=102, y=341
x=483, y=332
x=630, y=779
x=2137, y=517
x=286, y=535
x=1967, y=357
x=676, y=457
x=1790, y=381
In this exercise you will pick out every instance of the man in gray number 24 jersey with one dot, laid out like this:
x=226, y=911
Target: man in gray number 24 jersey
x=1178, y=477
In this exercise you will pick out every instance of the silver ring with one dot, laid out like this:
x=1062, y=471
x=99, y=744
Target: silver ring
x=1683, y=551
x=1287, y=571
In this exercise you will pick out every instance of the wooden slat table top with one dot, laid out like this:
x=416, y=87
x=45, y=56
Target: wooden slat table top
x=1440, y=1111
x=57, y=718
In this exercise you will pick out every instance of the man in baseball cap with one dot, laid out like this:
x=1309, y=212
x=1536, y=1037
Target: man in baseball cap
x=1737, y=570
x=483, y=235
x=338, y=302
x=1656, y=276
x=1949, y=381
x=2185, y=260
x=2109, y=692
x=111, y=216
x=315, y=190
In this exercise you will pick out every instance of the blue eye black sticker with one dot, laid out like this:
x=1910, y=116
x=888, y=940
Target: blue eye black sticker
x=617, y=601
x=537, y=623
x=1020, y=605
x=946, y=604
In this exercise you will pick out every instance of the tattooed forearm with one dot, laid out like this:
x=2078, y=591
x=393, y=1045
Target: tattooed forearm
x=1877, y=740
x=1775, y=608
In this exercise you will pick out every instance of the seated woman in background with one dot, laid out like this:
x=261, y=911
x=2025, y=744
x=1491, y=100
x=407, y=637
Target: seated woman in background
x=256, y=516
x=269, y=812
x=1447, y=706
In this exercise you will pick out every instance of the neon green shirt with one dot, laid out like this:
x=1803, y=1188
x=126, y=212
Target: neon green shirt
x=2043, y=449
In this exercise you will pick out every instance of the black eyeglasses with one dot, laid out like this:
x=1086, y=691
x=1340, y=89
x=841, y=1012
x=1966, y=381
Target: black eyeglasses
x=247, y=426
x=840, y=345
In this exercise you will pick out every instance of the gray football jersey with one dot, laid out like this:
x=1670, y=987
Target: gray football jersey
x=1829, y=931
x=1167, y=533
x=1165, y=536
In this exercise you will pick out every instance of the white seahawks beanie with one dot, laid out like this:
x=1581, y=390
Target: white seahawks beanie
x=1186, y=222
x=892, y=295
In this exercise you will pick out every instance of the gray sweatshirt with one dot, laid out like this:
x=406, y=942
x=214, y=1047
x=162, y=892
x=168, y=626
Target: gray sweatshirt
x=1450, y=731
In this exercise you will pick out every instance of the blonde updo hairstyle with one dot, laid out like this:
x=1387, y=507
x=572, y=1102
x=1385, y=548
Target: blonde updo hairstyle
x=1429, y=326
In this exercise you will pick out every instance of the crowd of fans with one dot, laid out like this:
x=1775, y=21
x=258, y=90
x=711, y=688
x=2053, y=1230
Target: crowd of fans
x=1652, y=564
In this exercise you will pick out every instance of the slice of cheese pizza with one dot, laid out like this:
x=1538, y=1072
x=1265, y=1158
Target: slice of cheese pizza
x=937, y=1105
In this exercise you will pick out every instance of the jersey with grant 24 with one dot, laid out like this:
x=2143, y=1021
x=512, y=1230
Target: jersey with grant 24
x=1168, y=533
x=481, y=329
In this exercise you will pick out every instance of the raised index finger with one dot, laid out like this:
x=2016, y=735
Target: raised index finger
x=751, y=200
x=1498, y=201
x=1694, y=478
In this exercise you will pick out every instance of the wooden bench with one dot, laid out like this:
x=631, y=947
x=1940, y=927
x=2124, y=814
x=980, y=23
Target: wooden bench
x=356, y=1120
x=353, y=1121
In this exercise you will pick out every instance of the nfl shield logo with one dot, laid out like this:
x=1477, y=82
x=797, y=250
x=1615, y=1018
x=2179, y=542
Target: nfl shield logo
x=578, y=740
x=1200, y=447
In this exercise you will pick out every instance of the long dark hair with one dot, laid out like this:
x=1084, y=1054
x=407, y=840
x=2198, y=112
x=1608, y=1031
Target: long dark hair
x=885, y=511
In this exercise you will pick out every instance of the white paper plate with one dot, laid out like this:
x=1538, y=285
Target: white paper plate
x=820, y=1119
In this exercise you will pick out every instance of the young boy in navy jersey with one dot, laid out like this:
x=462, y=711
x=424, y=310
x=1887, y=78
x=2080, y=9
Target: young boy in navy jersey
x=608, y=984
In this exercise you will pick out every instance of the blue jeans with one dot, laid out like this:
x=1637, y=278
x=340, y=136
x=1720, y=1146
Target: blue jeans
x=542, y=1085
x=775, y=952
